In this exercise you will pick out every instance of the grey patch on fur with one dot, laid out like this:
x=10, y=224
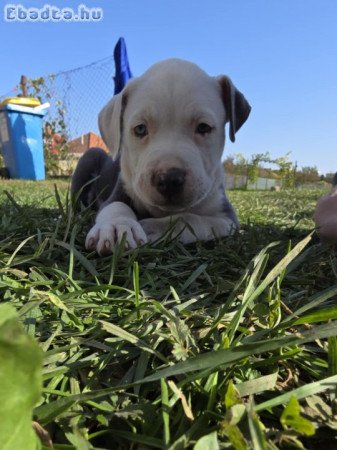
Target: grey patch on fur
x=97, y=182
x=94, y=178
x=118, y=194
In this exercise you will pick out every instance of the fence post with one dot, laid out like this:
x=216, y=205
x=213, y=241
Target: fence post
x=23, y=84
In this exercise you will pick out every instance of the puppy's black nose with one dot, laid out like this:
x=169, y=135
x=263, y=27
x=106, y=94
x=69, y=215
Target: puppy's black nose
x=169, y=183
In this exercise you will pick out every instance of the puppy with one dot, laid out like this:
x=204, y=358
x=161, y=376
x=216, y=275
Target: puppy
x=165, y=131
x=326, y=215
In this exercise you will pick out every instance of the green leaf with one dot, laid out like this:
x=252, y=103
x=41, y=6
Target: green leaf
x=165, y=410
x=232, y=396
x=236, y=437
x=208, y=442
x=123, y=334
x=78, y=441
x=255, y=428
x=20, y=383
x=322, y=315
x=194, y=275
x=257, y=385
x=291, y=418
x=234, y=415
x=302, y=392
x=332, y=355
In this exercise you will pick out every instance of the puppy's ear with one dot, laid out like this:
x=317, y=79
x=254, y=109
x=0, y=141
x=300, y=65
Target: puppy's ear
x=236, y=106
x=110, y=122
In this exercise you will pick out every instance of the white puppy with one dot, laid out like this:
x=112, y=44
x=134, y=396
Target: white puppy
x=165, y=131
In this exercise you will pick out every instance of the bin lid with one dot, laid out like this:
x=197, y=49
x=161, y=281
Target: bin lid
x=40, y=110
x=23, y=101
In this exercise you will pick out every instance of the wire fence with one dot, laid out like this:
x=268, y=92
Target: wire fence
x=80, y=93
x=241, y=181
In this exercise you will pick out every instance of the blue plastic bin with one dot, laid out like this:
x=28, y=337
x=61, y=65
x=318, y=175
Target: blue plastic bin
x=21, y=141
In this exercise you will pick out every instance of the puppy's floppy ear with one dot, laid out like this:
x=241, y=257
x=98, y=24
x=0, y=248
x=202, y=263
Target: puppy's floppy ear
x=236, y=106
x=110, y=122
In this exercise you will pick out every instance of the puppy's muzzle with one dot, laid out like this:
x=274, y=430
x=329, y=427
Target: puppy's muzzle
x=170, y=184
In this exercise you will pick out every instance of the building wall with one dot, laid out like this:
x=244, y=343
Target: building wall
x=81, y=144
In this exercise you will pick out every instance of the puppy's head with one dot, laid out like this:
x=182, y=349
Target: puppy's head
x=168, y=126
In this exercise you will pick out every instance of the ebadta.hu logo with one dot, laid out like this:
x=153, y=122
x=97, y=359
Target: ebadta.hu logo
x=20, y=13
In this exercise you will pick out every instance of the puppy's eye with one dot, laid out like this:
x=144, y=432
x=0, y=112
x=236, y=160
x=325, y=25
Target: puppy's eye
x=203, y=128
x=141, y=130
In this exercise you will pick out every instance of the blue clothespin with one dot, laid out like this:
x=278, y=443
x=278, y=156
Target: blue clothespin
x=123, y=72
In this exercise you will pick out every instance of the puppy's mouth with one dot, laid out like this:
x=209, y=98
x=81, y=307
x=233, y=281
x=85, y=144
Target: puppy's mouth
x=174, y=205
x=169, y=208
x=167, y=205
x=170, y=196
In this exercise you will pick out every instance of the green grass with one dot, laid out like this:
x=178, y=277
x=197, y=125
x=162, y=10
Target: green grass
x=229, y=344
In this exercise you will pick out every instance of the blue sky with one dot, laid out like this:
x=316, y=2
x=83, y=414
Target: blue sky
x=282, y=54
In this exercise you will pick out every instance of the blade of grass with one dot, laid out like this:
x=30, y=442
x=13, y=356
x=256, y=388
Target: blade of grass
x=256, y=432
x=316, y=387
x=123, y=334
x=136, y=286
x=165, y=411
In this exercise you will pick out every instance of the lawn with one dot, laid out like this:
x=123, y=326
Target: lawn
x=229, y=344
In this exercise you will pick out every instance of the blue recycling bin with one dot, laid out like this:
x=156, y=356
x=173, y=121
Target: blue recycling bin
x=21, y=141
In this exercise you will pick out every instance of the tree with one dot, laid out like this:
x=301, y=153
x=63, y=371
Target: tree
x=307, y=175
x=254, y=166
x=229, y=164
x=329, y=177
x=241, y=164
x=54, y=130
x=287, y=171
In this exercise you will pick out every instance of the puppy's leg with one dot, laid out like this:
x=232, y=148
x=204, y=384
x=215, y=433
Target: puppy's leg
x=94, y=178
x=190, y=227
x=112, y=222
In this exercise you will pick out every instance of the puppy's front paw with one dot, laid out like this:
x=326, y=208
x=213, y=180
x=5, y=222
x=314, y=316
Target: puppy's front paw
x=154, y=228
x=103, y=237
